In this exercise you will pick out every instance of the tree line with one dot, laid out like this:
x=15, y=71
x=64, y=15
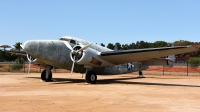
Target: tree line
x=142, y=44
x=5, y=56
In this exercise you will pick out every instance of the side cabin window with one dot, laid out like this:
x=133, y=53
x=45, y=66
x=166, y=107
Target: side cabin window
x=72, y=41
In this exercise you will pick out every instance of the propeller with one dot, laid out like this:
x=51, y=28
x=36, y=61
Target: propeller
x=75, y=53
x=30, y=59
x=29, y=64
x=29, y=67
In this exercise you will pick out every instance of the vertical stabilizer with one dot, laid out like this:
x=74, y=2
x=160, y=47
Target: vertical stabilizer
x=171, y=58
x=115, y=48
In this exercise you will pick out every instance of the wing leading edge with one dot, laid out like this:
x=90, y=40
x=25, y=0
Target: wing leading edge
x=22, y=53
x=126, y=56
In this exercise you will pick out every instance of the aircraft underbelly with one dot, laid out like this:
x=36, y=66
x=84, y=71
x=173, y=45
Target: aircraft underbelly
x=121, y=69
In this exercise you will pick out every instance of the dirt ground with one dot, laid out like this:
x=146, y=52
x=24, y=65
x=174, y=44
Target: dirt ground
x=22, y=92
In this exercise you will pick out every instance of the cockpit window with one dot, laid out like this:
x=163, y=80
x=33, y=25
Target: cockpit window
x=72, y=41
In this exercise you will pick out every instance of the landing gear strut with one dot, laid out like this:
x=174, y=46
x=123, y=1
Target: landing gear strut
x=140, y=74
x=91, y=77
x=46, y=74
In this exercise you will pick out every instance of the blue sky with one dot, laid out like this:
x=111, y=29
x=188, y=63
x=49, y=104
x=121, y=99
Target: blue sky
x=100, y=21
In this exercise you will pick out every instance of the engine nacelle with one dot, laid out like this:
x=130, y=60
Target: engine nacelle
x=88, y=57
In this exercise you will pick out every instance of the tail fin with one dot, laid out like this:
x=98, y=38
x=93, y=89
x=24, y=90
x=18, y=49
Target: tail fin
x=171, y=58
x=115, y=48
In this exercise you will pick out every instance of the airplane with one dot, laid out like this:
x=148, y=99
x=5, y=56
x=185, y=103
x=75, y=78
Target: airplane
x=82, y=56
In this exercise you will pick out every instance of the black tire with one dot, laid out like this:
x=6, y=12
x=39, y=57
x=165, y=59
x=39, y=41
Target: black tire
x=43, y=76
x=91, y=77
x=140, y=72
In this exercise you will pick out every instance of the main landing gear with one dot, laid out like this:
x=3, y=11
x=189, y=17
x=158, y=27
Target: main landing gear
x=46, y=74
x=140, y=74
x=91, y=77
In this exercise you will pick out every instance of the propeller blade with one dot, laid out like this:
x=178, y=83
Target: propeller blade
x=72, y=69
x=22, y=46
x=69, y=46
x=85, y=47
x=29, y=67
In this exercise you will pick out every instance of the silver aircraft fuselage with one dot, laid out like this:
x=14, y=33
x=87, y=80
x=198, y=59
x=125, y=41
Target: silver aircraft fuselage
x=57, y=54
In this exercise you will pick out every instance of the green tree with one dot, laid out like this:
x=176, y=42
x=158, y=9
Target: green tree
x=125, y=47
x=132, y=46
x=102, y=44
x=160, y=44
x=1, y=55
x=141, y=44
x=5, y=56
x=194, y=61
x=19, y=48
x=110, y=46
x=150, y=45
x=118, y=45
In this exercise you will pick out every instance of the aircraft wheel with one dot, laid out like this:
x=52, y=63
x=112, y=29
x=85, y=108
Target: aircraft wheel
x=43, y=76
x=140, y=73
x=91, y=77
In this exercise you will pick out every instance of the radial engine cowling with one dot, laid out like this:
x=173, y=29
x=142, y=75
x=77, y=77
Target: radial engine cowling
x=88, y=56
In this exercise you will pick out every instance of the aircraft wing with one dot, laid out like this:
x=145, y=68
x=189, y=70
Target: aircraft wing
x=22, y=53
x=126, y=56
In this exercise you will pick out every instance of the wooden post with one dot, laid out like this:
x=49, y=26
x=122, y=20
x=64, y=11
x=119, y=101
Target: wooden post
x=187, y=67
x=24, y=67
x=163, y=70
x=9, y=68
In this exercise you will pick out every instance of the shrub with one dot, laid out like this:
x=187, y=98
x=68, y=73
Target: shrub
x=194, y=61
x=16, y=66
x=1, y=66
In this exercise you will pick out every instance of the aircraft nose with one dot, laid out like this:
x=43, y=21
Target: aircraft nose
x=31, y=47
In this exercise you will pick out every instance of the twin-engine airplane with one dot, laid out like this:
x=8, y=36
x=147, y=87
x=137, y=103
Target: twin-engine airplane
x=82, y=56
